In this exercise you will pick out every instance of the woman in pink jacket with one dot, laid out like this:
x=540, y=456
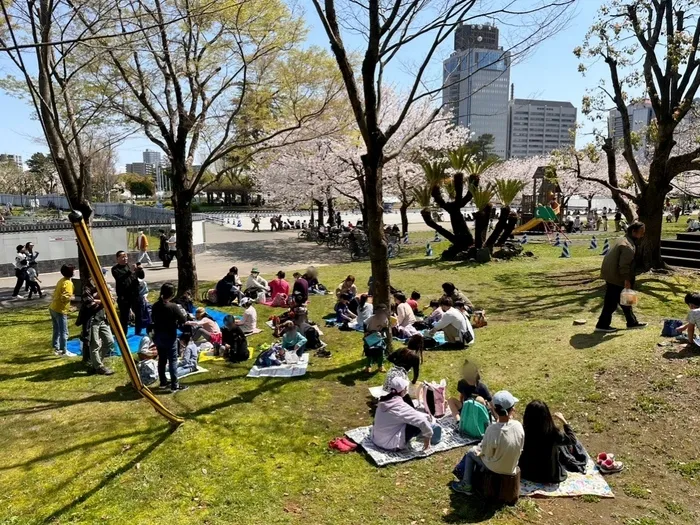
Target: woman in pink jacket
x=396, y=422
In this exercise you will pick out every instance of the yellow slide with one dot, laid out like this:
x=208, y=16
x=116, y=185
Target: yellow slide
x=528, y=225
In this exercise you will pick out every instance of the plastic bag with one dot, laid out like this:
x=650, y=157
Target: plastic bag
x=628, y=297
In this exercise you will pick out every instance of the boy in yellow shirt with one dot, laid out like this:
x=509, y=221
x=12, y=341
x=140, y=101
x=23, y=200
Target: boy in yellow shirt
x=60, y=307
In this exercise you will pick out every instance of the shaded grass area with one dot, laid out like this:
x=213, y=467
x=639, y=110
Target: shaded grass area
x=85, y=449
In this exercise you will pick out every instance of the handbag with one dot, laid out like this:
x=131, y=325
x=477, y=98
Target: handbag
x=374, y=339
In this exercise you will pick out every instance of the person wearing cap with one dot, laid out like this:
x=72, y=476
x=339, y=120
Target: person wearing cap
x=396, y=422
x=249, y=323
x=279, y=286
x=500, y=448
x=142, y=248
x=255, y=283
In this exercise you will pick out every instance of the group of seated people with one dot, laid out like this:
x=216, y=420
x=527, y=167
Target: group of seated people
x=542, y=451
x=450, y=314
x=277, y=292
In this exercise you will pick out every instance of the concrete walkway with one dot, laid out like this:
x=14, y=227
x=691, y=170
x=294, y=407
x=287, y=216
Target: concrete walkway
x=268, y=251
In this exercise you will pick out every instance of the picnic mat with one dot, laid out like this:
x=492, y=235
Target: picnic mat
x=591, y=483
x=451, y=438
x=297, y=369
x=74, y=346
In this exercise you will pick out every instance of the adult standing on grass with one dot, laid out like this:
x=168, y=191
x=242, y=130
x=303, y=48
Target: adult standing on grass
x=60, y=308
x=167, y=316
x=32, y=256
x=127, y=288
x=142, y=248
x=617, y=271
x=100, y=338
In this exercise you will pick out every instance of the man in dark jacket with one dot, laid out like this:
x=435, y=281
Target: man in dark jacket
x=127, y=288
x=618, y=273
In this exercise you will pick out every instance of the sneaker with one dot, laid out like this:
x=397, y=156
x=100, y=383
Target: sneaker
x=461, y=487
x=636, y=326
x=104, y=371
x=59, y=352
x=607, y=330
x=18, y=296
x=179, y=388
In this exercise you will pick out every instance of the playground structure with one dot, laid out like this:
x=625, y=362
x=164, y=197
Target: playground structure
x=536, y=217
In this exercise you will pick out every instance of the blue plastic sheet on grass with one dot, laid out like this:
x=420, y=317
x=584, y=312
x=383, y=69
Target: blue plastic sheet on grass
x=74, y=345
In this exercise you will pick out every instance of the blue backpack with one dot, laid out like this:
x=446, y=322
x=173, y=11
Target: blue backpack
x=669, y=329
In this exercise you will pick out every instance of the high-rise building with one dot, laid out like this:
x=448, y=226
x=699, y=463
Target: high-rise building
x=153, y=167
x=16, y=159
x=538, y=127
x=640, y=113
x=476, y=78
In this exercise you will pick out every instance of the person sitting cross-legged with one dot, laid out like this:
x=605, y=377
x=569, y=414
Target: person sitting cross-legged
x=249, y=322
x=292, y=339
x=500, y=448
x=457, y=328
x=396, y=422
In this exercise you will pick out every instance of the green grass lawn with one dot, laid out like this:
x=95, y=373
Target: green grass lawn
x=86, y=449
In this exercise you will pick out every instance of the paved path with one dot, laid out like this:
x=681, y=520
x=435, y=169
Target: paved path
x=268, y=251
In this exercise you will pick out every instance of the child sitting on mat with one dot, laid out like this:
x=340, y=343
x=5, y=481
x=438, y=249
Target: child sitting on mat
x=292, y=340
x=190, y=356
x=692, y=299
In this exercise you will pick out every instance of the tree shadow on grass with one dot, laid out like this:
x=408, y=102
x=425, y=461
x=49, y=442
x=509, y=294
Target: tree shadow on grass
x=121, y=393
x=470, y=509
x=584, y=341
x=68, y=370
x=412, y=264
x=111, y=476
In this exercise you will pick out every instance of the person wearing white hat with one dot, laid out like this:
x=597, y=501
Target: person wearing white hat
x=500, y=448
x=249, y=323
x=396, y=422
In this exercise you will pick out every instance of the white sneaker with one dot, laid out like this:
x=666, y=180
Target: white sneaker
x=18, y=296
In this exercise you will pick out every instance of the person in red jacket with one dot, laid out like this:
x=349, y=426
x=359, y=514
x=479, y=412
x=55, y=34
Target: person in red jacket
x=279, y=286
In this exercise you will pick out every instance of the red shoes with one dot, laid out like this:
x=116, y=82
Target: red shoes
x=342, y=444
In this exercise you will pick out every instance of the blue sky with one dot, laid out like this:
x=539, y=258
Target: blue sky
x=548, y=73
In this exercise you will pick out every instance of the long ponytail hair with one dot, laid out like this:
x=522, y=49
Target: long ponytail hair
x=416, y=343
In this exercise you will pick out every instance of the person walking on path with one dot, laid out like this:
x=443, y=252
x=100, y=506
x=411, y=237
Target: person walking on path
x=142, y=248
x=60, y=308
x=127, y=288
x=617, y=271
x=172, y=246
x=256, y=223
x=20, y=265
x=163, y=249
x=32, y=256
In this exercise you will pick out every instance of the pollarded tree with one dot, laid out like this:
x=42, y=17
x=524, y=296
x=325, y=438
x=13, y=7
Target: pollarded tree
x=213, y=81
x=393, y=30
x=506, y=190
x=661, y=36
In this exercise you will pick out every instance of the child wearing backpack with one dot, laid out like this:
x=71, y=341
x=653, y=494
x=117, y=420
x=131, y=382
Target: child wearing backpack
x=469, y=387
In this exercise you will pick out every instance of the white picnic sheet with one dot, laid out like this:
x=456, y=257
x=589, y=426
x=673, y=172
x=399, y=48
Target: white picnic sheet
x=591, y=483
x=297, y=369
x=451, y=438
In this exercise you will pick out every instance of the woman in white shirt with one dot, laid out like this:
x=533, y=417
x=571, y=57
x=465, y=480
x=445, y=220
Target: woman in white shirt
x=404, y=313
x=454, y=324
x=249, y=322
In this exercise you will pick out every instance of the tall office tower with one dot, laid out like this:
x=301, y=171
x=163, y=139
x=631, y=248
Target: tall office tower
x=641, y=115
x=476, y=78
x=538, y=127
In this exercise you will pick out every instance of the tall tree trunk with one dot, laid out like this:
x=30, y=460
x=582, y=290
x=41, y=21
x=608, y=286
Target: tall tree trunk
x=320, y=208
x=331, y=212
x=651, y=213
x=378, y=250
x=481, y=225
x=184, y=246
x=621, y=203
x=403, y=210
x=500, y=227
